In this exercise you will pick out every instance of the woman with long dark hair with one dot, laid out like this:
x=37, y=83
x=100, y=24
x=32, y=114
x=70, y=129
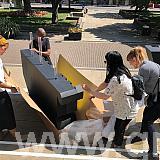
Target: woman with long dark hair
x=118, y=86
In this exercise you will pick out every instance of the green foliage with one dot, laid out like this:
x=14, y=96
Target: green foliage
x=8, y=28
x=21, y=18
x=157, y=1
x=30, y=23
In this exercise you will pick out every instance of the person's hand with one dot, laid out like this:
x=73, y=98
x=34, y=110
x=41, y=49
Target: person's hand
x=14, y=89
x=86, y=88
x=34, y=50
x=91, y=96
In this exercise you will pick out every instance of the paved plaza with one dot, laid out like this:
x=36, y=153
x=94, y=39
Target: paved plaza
x=104, y=30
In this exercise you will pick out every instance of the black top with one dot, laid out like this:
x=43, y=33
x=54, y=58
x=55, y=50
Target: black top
x=45, y=47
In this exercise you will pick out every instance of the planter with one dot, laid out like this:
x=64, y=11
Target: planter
x=75, y=36
x=77, y=14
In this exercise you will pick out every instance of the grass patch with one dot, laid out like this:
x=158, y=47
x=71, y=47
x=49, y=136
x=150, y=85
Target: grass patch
x=7, y=10
x=33, y=22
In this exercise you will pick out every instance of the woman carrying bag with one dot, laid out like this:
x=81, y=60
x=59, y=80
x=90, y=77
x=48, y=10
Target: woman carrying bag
x=118, y=86
x=150, y=72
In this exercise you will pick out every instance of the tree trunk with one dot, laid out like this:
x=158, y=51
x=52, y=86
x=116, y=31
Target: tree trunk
x=69, y=5
x=18, y=3
x=60, y=5
x=55, y=4
x=27, y=5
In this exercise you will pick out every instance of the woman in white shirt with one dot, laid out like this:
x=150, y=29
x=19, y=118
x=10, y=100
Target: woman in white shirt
x=118, y=85
x=7, y=119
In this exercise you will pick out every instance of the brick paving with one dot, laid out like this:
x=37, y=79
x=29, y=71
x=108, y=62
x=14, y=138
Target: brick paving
x=79, y=54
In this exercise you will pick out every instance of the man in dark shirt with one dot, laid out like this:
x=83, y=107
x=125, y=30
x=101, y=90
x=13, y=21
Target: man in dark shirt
x=46, y=49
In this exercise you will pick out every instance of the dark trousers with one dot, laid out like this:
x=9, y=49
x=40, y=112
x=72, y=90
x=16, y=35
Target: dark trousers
x=119, y=129
x=7, y=118
x=150, y=115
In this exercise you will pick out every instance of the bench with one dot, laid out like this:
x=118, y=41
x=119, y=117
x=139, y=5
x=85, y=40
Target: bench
x=72, y=18
x=5, y=5
x=77, y=14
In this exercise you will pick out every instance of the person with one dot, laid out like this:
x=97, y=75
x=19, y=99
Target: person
x=11, y=4
x=118, y=85
x=7, y=118
x=150, y=71
x=46, y=49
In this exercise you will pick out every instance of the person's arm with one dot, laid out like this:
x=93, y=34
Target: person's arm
x=48, y=47
x=35, y=50
x=102, y=86
x=5, y=85
x=34, y=46
x=47, y=53
x=95, y=93
x=145, y=73
x=110, y=89
x=8, y=86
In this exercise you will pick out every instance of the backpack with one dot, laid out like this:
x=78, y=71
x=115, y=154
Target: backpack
x=138, y=87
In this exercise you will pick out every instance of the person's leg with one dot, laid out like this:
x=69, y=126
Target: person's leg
x=152, y=142
x=146, y=116
x=144, y=125
x=151, y=114
x=119, y=128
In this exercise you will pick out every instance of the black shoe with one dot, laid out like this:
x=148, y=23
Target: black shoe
x=102, y=142
x=136, y=139
x=117, y=146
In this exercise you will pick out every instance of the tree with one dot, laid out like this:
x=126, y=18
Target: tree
x=156, y=1
x=55, y=4
x=27, y=5
x=18, y=3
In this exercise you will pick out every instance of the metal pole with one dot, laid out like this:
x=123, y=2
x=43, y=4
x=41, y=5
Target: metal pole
x=40, y=49
x=31, y=41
